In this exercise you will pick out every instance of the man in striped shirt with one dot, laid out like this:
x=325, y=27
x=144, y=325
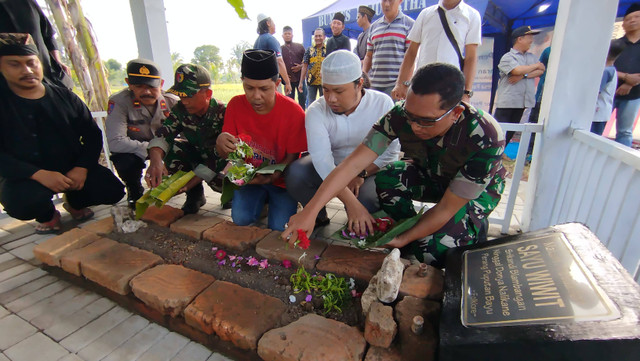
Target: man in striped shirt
x=386, y=46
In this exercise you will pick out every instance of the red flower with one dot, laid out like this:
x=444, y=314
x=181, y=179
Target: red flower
x=286, y=263
x=303, y=240
x=244, y=137
x=221, y=254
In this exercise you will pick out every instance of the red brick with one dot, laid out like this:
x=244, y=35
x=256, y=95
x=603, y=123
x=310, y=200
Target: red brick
x=103, y=226
x=193, y=225
x=169, y=288
x=162, y=216
x=116, y=266
x=273, y=247
x=412, y=346
x=236, y=237
x=430, y=286
x=51, y=250
x=383, y=354
x=312, y=337
x=71, y=261
x=380, y=328
x=234, y=313
x=352, y=262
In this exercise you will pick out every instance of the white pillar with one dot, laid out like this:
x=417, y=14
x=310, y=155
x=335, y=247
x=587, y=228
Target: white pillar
x=151, y=35
x=578, y=52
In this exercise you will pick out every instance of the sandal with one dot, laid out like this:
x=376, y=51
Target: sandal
x=51, y=227
x=78, y=214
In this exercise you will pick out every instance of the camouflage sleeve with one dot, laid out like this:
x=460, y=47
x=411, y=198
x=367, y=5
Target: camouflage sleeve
x=476, y=173
x=171, y=127
x=381, y=134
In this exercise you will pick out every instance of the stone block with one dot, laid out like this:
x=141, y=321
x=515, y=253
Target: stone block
x=390, y=277
x=312, y=337
x=380, y=329
x=417, y=346
x=116, y=266
x=51, y=250
x=428, y=286
x=229, y=235
x=352, y=262
x=102, y=226
x=234, y=313
x=71, y=261
x=162, y=216
x=383, y=354
x=169, y=288
x=273, y=247
x=193, y=225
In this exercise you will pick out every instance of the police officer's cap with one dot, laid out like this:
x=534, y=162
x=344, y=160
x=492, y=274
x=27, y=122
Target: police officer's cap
x=143, y=71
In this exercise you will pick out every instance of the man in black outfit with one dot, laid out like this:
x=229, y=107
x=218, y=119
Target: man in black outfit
x=49, y=143
x=339, y=40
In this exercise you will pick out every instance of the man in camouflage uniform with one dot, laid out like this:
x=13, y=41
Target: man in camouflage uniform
x=134, y=114
x=186, y=141
x=453, y=156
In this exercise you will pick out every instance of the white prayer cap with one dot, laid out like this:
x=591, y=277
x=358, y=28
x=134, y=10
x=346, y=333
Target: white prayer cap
x=261, y=17
x=341, y=67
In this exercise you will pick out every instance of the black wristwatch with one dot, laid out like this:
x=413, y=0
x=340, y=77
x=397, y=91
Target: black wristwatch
x=526, y=76
x=468, y=92
x=363, y=174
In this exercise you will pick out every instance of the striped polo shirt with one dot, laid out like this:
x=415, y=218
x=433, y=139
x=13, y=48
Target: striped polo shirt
x=388, y=42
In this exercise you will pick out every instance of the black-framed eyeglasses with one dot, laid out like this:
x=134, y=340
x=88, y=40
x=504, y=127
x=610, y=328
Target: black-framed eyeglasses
x=424, y=122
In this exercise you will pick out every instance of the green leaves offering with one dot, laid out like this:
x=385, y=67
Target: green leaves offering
x=379, y=239
x=159, y=195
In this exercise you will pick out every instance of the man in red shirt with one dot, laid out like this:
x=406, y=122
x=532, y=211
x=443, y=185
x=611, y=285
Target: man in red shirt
x=275, y=124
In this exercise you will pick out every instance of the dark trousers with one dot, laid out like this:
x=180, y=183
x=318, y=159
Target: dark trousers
x=302, y=96
x=129, y=167
x=508, y=115
x=27, y=199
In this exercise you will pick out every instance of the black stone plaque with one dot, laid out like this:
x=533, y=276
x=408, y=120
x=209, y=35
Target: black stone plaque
x=537, y=280
x=554, y=294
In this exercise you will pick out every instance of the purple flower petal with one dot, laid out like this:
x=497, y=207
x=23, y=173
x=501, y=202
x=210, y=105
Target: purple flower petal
x=224, y=261
x=317, y=257
x=308, y=298
x=214, y=248
x=233, y=264
x=238, y=270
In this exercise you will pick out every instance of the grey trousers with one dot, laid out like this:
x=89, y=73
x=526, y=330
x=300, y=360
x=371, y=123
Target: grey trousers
x=303, y=181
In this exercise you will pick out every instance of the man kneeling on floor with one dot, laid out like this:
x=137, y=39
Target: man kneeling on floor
x=197, y=119
x=275, y=124
x=336, y=124
x=453, y=153
x=49, y=143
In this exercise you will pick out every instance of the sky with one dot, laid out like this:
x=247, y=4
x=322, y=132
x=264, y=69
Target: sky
x=191, y=23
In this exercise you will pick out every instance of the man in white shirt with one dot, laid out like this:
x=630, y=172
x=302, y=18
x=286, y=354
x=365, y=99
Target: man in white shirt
x=428, y=36
x=336, y=124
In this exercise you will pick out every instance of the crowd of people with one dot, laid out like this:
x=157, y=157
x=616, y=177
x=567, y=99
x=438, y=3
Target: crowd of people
x=385, y=124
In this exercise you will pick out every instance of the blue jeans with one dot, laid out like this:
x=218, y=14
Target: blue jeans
x=626, y=115
x=598, y=127
x=249, y=200
x=312, y=93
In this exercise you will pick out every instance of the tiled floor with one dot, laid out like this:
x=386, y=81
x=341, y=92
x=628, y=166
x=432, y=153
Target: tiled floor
x=44, y=318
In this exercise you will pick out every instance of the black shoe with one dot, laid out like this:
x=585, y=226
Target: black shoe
x=134, y=192
x=322, y=221
x=227, y=205
x=217, y=182
x=195, y=200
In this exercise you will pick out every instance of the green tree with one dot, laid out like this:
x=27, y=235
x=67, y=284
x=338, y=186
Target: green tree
x=113, y=65
x=176, y=60
x=209, y=57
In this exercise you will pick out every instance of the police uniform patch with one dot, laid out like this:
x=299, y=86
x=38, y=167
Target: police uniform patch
x=144, y=71
x=136, y=104
x=111, y=106
x=179, y=77
x=164, y=108
x=133, y=129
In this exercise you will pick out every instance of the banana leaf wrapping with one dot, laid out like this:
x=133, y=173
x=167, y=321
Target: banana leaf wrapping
x=231, y=182
x=159, y=195
x=380, y=238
